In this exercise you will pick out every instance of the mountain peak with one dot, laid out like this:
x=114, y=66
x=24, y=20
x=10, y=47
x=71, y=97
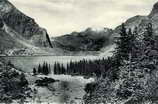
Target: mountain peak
x=154, y=10
x=97, y=29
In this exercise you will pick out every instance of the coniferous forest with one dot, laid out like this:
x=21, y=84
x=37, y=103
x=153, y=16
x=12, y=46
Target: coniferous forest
x=130, y=48
x=132, y=68
x=42, y=69
x=114, y=65
x=130, y=75
x=84, y=67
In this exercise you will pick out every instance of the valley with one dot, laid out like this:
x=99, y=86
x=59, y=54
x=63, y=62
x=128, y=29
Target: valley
x=105, y=66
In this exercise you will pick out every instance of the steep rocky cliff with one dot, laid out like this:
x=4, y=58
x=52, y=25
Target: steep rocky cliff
x=18, y=30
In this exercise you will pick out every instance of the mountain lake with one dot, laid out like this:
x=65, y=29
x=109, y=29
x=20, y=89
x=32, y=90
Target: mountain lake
x=69, y=89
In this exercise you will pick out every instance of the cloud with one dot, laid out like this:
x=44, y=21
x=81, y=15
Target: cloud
x=64, y=16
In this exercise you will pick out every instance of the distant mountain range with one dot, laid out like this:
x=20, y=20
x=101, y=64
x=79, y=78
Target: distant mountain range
x=88, y=40
x=20, y=34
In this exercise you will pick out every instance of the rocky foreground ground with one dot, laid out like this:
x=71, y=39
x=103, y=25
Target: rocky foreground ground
x=17, y=86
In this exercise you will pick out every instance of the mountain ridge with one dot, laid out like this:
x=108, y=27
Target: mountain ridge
x=28, y=34
x=140, y=21
x=22, y=31
x=87, y=40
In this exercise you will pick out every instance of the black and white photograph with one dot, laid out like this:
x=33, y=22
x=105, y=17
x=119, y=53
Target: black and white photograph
x=78, y=52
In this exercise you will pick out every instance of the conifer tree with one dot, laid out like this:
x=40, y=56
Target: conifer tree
x=43, y=68
x=135, y=44
x=123, y=50
x=119, y=48
x=68, y=69
x=124, y=45
x=148, y=36
x=34, y=71
x=39, y=68
x=49, y=69
x=55, y=68
x=46, y=72
x=58, y=68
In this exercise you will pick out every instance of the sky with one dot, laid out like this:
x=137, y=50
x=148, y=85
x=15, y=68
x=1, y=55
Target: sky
x=61, y=17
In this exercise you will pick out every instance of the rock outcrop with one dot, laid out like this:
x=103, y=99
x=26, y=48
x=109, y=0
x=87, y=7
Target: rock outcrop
x=18, y=30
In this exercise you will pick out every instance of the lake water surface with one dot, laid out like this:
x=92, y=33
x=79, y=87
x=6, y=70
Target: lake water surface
x=28, y=63
x=68, y=89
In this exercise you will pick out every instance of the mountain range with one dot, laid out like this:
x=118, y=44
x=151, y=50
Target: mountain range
x=90, y=40
x=21, y=35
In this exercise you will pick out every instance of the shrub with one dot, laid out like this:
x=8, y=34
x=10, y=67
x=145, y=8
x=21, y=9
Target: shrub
x=44, y=82
x=90, y=87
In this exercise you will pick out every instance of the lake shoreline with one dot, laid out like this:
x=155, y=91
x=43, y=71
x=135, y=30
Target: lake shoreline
x=56, y=56
x=67, y=89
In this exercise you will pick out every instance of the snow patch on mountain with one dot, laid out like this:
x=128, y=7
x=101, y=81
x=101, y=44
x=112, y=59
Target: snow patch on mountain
x=107, y=51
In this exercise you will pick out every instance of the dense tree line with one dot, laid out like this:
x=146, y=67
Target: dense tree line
x=131, y=48
x=103, y=67
x=42, y=69
x=84, y=67
x=126, y=46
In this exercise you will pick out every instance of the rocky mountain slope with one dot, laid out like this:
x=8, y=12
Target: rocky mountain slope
x=141, y=21
x=18, y=30
x=20, y=34
x=88, y=40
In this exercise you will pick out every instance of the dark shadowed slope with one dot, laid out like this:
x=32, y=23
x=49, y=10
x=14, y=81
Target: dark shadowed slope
x=88, y=40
